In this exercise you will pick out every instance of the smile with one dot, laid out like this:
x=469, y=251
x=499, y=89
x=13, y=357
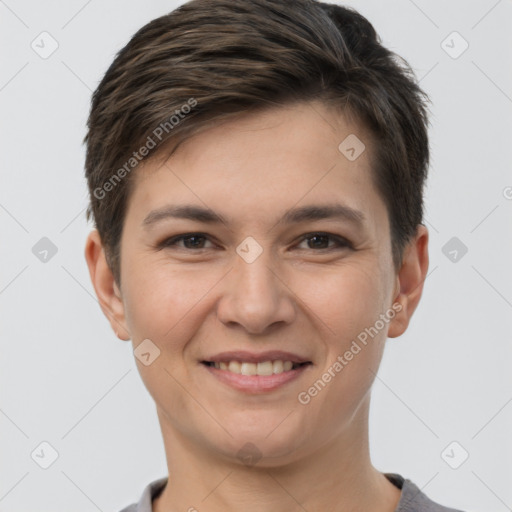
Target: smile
x=264, y=368
x=255, y=373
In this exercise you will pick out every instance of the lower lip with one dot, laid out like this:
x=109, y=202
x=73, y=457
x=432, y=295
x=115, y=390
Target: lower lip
x=256, y=383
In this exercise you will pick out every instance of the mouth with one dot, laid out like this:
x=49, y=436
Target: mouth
x=264, y=368
x=256, y=373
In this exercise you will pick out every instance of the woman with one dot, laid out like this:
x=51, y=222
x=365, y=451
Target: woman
x=256, y=171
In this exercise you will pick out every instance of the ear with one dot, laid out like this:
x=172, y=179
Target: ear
x=410, y=279
x=107, y=291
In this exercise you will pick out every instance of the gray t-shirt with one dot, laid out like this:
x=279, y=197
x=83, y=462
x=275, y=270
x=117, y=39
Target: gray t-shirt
x=411, y=500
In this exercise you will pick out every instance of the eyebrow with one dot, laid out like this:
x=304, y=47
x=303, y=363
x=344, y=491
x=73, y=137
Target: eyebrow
x=292, y=216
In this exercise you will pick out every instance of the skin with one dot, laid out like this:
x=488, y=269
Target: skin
x=296, y=296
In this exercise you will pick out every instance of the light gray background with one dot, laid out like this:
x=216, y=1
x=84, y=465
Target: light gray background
x=67, y=380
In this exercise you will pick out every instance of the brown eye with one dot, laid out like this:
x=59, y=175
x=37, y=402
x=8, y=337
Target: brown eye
x=320, y=241
x=316, y=241
x=190, y=240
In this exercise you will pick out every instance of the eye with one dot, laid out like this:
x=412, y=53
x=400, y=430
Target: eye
x=196, y=241
x=321, y=239
x=191, y=241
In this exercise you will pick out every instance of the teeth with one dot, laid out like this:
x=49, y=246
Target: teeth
x=278, y=367
x=248, y=369
x=263, y=368
x=234, y=366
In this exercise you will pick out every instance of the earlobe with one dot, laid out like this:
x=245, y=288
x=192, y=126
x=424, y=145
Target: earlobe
x=410, y=281
x=107, y=291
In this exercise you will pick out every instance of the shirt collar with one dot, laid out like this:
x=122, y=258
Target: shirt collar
x=411, y=498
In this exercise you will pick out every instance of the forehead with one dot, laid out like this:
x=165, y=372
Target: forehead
x=264, y=163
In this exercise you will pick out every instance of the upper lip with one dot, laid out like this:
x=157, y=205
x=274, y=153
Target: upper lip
x=252, y=357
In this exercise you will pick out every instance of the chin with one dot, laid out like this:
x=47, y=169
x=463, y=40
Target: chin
x=269, y=443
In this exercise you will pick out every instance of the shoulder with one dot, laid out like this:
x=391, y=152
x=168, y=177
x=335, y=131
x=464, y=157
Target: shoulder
x=130, y=508
x=414, y=499
x=151, y=491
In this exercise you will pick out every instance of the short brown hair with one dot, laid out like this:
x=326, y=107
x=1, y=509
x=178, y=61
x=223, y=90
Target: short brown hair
x=211, y=59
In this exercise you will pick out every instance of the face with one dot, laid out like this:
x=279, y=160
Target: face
x=270, y=316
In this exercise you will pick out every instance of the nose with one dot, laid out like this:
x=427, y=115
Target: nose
x=256, y=296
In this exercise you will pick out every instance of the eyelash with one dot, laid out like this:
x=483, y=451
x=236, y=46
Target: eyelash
x=342, y=242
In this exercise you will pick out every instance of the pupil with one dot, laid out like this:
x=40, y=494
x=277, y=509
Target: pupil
x=318, y=237
x=190, y=238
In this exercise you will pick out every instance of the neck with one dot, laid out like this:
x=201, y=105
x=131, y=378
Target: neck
x=337, y=476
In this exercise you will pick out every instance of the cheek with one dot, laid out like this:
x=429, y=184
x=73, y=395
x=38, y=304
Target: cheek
x=349, y=305
x=163, y=303
x=345, y=300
